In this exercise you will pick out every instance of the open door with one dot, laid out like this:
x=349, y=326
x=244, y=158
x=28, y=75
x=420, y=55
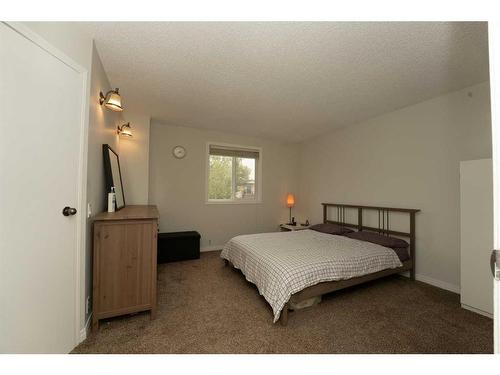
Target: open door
x=494, y=44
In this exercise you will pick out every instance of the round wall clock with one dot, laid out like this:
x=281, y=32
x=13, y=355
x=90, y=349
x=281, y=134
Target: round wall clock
x=179, y=152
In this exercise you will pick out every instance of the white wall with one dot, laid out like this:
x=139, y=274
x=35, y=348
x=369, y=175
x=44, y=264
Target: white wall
x=102, y=129
x=177, y=186
x=407, y=158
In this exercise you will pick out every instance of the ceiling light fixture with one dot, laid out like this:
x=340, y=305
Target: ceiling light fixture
x=111, y=100
x=125, y=130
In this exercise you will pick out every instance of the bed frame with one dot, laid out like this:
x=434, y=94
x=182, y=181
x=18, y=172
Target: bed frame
x=383, y=228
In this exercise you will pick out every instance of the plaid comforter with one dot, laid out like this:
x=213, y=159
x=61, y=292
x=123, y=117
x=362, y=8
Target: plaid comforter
x=281, y=264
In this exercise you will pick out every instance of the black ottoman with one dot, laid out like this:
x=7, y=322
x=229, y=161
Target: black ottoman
x=177, y=246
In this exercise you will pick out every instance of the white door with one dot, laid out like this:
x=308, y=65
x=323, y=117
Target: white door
x=494, y=44
x=40, y=133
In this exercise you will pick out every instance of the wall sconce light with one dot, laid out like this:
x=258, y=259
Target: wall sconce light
x=111, y=100
x=125, y=130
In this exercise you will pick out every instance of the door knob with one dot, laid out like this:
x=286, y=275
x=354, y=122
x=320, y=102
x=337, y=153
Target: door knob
x=495, y=264
x=67, y=211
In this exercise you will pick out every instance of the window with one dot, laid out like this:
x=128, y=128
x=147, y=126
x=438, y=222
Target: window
x=233, y=174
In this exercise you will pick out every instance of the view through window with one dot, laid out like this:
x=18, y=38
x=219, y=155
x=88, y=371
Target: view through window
x=232, y=174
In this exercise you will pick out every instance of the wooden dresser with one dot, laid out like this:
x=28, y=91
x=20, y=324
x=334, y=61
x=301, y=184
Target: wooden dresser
x=124, y=262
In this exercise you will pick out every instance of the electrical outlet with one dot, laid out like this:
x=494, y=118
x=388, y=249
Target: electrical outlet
x=89, y=210
x=87, y=306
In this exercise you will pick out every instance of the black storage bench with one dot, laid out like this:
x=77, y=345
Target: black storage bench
x=177, y=246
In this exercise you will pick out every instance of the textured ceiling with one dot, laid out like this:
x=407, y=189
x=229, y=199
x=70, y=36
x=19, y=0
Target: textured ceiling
x=287, y=81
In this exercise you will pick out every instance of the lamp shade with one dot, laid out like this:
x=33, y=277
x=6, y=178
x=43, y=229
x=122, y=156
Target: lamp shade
x=290, y=200
x=114, y=101
x=125, y=130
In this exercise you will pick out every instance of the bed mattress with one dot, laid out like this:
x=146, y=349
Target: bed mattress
x=281, y=264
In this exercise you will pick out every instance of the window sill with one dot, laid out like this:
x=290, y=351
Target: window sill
x=257, y=201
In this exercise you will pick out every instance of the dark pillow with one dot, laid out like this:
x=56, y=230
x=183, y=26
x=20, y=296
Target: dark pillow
x=402, y=253
x=330, y=228
x=379, y=239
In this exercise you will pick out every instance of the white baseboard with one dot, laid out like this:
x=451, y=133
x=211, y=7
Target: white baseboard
x=477, y=311
x=440, y=284
x=435, y=282
x=211, y=248
x=84, y=331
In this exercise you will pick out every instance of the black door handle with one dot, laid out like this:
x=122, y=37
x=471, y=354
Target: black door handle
x=67, y=211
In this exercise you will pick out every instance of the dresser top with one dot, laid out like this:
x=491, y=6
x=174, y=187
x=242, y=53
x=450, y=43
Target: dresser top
x=130, y=213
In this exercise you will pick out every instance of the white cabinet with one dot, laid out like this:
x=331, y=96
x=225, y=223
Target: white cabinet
x=476, y=235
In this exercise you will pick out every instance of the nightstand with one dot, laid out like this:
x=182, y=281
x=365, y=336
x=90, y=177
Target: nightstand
x=290, y=228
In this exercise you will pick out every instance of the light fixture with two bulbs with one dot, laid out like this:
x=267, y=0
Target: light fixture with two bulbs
x=113, y=101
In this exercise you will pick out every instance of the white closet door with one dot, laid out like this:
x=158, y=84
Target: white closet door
x=40, y=123
x=476, y=235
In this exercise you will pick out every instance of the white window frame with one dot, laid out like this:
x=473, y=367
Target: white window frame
x=258, y=175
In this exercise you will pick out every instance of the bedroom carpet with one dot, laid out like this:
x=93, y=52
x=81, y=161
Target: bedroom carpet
x=205, y=307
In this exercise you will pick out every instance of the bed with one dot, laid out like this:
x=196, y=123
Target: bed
x=291, y=267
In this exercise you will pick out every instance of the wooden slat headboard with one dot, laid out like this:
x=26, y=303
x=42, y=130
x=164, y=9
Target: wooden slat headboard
x=383, y=222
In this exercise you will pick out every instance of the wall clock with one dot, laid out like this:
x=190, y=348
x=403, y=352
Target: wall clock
x=179, y=152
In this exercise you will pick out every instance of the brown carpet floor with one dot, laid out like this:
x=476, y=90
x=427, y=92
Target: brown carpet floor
x=204, y=307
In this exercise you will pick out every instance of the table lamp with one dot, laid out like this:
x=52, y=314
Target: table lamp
x=290, y=202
